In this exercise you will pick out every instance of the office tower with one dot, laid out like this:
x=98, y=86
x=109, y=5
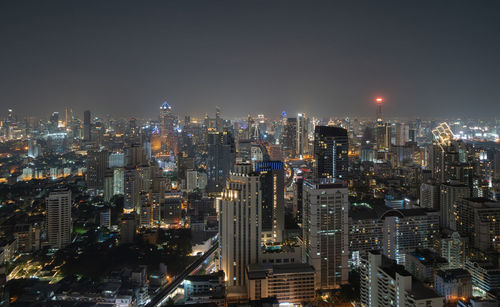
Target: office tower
x=240, y=223
x=479, y=220
x=221, y=154
x=453, y=250
x=330, y=152
x=302, y=136
x=382, y=130
x=289, y=138
x=325, y=233
x=449, y=196
x=429, y=196
x=131, y=190
x=59, y=218
x=385, y=283
x=272, y=178
x=87, y=126
x=453, y=285
x=408, y=229
x=97, y=163
x=168, y=123
x=105, y=218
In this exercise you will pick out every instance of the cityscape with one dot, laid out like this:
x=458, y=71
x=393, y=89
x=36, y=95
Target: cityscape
x=366, y=200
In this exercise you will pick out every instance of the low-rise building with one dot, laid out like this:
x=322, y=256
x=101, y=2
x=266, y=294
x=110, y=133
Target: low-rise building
x=289, y=283
x=453, y=284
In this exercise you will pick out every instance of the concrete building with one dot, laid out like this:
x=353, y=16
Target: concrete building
x=59, y=218
x=485, y=276
x=423, y=264
x=289, y=283
x=449, y=196
x=240, y=223
x=384, y=283
x=453, y=285
x=325, y=233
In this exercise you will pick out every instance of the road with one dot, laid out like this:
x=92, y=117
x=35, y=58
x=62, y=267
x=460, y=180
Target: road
x=162, y=295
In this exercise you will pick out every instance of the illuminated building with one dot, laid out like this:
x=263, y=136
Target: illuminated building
x=325, y=233
x=385, y=283
x=453, y=250
x=479, y=220
x=302, y=135
x=485, y=275
x=453, y=285
x=168, y=122
x=240, y=223
x=449, y=196
x=272, y=177
x=59, y=218
x=406, y=230
x=289, y=283
x=423, y=264
x=330, y=152
x=382, y=130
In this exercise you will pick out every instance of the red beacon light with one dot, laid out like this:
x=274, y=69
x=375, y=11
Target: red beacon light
x=379, y=100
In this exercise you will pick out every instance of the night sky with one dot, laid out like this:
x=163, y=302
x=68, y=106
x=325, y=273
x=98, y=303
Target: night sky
x=332, y=58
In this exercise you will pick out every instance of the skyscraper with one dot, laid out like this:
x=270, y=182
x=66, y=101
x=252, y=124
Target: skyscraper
x=59, y=218
x=97, y=163
x=302, y=136
x=240, y=223
x=87, y=126
x=330, y=152
x=221, y=156
x=325, y=231
x=272, y=177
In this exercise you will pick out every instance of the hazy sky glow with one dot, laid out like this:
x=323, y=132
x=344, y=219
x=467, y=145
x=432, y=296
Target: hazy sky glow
x=332, y=57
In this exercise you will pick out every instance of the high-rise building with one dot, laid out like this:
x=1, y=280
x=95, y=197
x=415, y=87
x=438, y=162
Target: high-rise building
x=479, y=220
x=289, y=137
x=302, y=135
x=453, y=250
x=385, y=283
x=59, y=218
x=272, y=177
x=97, y=163
x=330, y=152
x=408, y=229
x=325, y=233
x=221, y=156
x=240, y=210
x=429, y=196
x=87, y=126
x=449, y=196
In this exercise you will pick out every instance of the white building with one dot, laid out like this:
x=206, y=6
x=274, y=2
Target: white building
x=384, y=283
x=239, y=223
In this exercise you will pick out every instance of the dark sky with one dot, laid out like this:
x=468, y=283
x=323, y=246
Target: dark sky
x=324, y=58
